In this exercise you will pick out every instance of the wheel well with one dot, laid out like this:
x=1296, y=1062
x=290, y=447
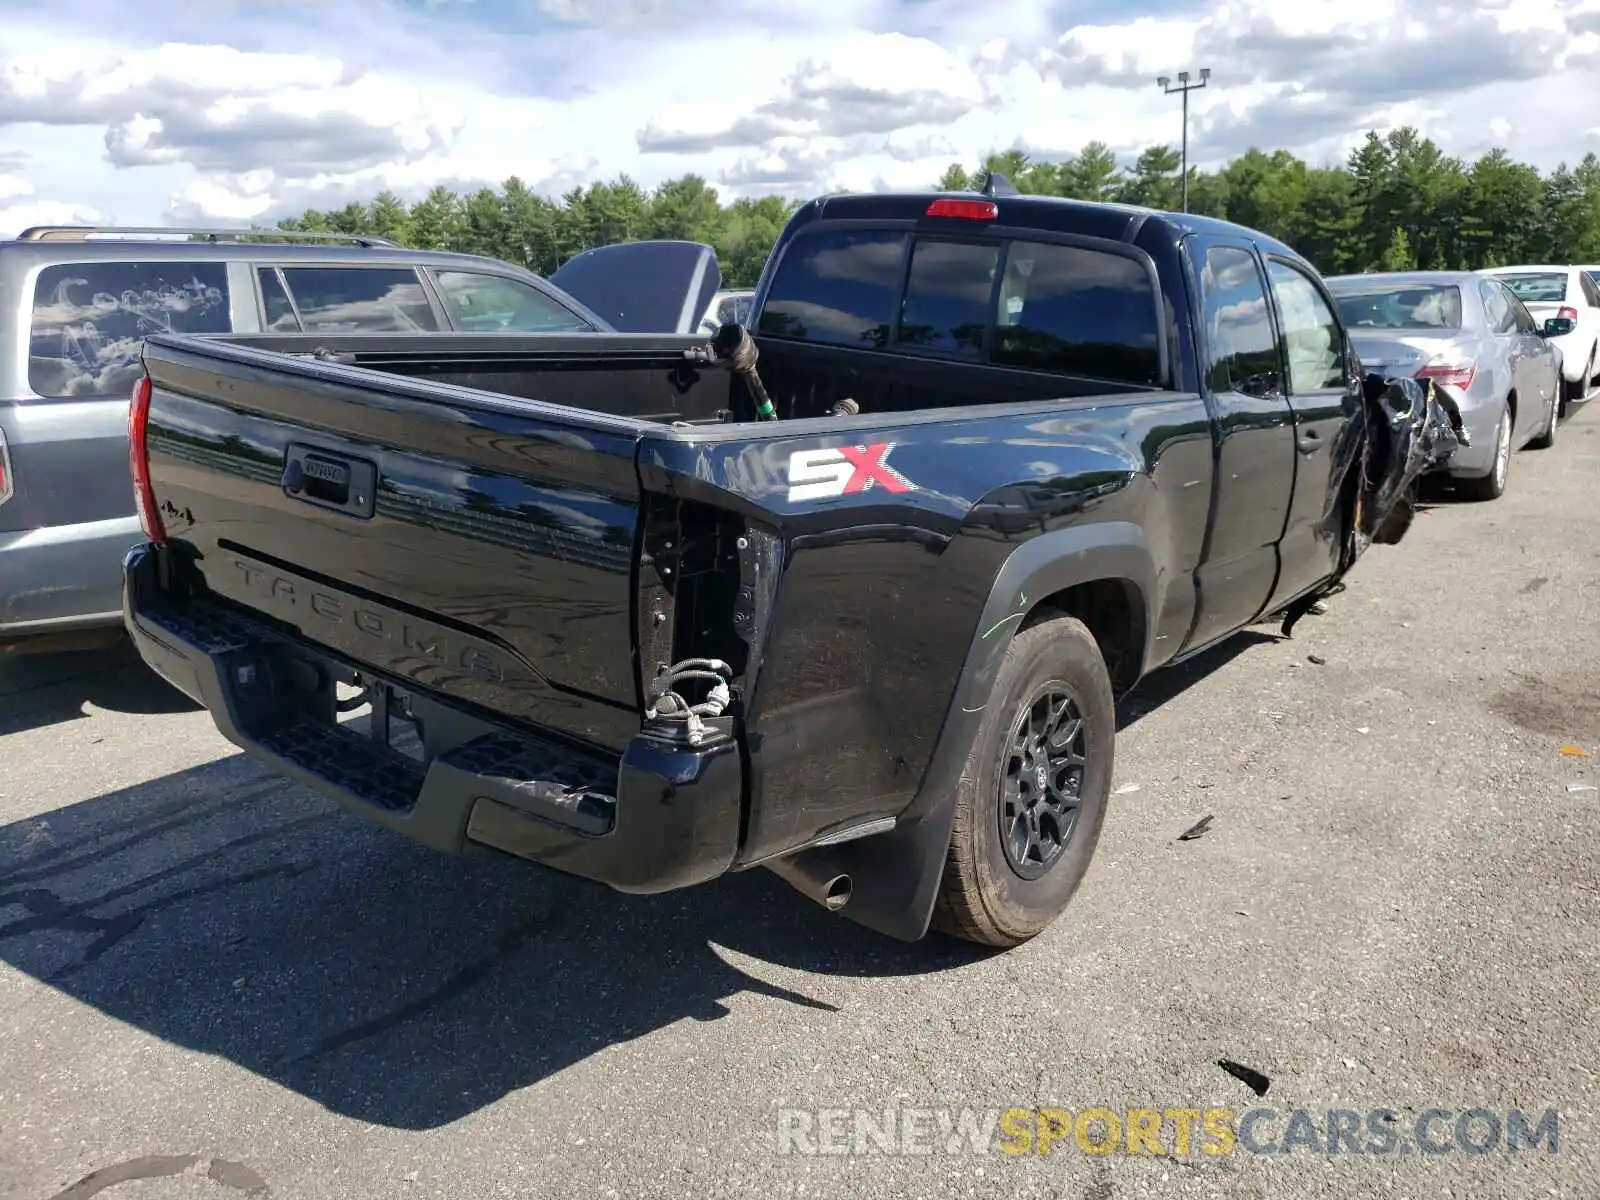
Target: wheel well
x=1113, y=610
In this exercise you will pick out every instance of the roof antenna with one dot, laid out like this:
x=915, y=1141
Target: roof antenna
x=996, y=184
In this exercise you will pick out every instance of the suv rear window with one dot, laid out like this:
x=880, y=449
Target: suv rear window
x=89, y=320
x=1062, y=309
x=360, y=300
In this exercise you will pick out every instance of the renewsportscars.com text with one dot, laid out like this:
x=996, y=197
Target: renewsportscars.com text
x=1180, y=1132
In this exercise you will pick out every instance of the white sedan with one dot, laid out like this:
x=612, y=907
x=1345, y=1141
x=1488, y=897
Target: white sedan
x=1566, y=293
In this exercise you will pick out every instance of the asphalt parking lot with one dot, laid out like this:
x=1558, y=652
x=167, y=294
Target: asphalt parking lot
x=1396, y=906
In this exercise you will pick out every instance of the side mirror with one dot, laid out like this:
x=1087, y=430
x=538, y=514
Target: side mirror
x=1558, y=327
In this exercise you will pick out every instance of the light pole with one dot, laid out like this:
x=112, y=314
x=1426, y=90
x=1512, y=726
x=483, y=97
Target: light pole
x=1185, y=87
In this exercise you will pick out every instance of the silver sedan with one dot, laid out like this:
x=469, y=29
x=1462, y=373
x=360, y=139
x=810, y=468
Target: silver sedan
x=1472, y=336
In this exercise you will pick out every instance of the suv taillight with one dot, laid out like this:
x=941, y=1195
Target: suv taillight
x=144, y=495
x=1567, y=314
x=8, y=484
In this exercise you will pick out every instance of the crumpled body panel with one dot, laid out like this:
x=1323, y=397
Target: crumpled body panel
x=1406, y=429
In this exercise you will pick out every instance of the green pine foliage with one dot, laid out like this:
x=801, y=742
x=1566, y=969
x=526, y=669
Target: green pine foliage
x=1396, y=202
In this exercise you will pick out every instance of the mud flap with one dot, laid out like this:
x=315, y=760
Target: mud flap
x=1405, y=430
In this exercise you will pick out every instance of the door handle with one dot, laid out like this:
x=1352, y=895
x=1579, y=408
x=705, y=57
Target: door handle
x=329, y=480
x=1309, y=442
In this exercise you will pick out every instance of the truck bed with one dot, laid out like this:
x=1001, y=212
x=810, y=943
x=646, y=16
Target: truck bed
x=641, y=376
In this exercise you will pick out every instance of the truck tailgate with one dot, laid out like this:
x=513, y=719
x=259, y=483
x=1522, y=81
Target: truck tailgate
x=366, y=512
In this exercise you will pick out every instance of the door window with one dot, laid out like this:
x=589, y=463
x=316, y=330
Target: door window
x=1243, y=353
x=89, y=320
x=360, y=300
x=275, y=307
x=1312, y=339
x=1521, y=319
x=482, y=303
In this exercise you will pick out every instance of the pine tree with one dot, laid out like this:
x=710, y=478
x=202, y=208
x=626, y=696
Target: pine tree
x=1398, y=256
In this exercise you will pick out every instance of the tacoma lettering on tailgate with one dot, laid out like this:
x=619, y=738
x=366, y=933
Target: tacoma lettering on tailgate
x=393, y=635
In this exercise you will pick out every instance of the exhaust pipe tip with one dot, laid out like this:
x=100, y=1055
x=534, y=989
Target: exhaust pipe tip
x=814, y=878
x=837, y=893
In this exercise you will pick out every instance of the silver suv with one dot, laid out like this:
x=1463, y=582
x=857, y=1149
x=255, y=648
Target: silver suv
x=75, y=306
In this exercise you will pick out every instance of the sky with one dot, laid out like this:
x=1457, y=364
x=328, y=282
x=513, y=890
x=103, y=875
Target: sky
x=236, y=111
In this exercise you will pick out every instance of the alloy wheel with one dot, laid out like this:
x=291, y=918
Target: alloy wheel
x=1042, y=782
x=1502, y=450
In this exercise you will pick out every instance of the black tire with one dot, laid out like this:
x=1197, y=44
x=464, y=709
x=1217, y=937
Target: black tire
x=1573, y=393
x=1548, y=438
x=1493, y=485
x=983, y=897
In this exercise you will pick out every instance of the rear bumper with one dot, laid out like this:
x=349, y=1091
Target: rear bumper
x=1480, y=419
x=662, y=817
x=63, y=577
x=1574, y=355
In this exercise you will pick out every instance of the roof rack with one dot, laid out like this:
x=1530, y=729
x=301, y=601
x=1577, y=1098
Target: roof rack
x=82, y=233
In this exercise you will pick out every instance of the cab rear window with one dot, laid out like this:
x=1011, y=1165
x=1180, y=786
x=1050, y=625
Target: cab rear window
x=837, y=287
x=1033, y=305
x=89, y=320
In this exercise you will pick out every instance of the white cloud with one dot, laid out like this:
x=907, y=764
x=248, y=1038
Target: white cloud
x=866, y=84
x=15, y=217
x=117, y=115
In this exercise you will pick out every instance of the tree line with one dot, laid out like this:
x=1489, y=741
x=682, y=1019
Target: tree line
x=1397, y=203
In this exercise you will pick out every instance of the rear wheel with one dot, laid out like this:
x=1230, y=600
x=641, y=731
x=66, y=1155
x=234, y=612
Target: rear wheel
x=1033, y=795
x=1548, y=438
x=1578, y=391
x=1493, y=485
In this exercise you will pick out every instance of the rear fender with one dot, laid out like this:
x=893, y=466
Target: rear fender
x=895, y=875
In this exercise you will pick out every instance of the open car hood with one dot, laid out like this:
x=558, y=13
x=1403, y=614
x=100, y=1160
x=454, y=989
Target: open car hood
x=644, y=287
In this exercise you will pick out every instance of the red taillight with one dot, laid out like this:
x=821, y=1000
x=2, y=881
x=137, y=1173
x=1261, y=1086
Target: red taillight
x=144, y=495
x=965, y=210
x=8, y=485
x=1456, y=375
x=1567, y=314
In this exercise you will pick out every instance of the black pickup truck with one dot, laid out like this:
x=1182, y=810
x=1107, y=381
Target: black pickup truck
x=856, y=610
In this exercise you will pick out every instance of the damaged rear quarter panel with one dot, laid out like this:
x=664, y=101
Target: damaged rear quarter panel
x=881, y=592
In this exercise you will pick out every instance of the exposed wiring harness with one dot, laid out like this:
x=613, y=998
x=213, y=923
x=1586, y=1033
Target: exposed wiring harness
x=668, y=704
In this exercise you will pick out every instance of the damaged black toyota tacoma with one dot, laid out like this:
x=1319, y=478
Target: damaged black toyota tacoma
x=849, y=594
